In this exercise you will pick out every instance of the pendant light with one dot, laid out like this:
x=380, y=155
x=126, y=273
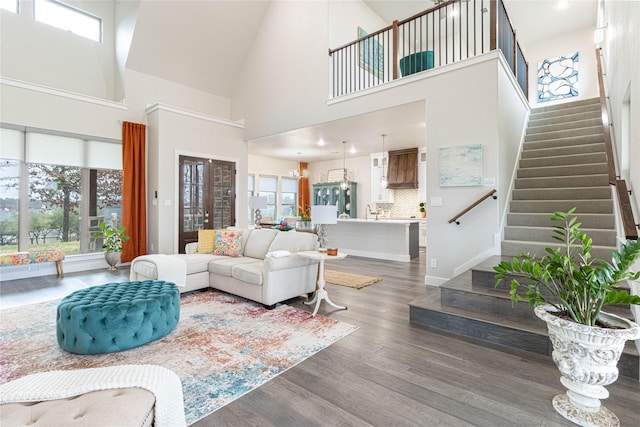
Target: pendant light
x=344, y=184
x=298, y=173
x=383, y=178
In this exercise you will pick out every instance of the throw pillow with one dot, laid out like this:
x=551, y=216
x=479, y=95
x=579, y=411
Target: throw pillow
x=206, y=241
x=228, y=242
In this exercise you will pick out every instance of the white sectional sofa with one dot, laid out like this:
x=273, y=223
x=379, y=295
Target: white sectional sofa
x=268, y=271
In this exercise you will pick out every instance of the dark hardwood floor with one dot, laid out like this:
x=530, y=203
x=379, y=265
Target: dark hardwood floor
x=388, y=372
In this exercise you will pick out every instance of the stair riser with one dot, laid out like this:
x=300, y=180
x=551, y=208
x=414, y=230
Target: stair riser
x=577, y=171
x=545, y=235
x=515, y=248
x=551, y=119
x=601, y=221
x=562, y=193
x=592, y=130
x=562, y=181
x=576, y=159
x=596, y=138
x=566, y=125
x=582, y=206
x=563, y=151
x=483, y=331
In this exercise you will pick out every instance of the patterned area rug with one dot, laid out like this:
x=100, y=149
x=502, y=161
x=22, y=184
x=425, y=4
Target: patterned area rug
x=349, y=279
x=222, y=348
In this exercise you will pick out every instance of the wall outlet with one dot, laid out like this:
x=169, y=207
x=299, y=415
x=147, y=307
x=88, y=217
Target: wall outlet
x=433, y=263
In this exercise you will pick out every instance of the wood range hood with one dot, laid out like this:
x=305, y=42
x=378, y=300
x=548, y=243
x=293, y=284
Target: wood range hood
x=403, y=169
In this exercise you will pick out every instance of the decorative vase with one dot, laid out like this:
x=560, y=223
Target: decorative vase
x=112, y=258
x=423, y=214
x=305, y=226
x=587, y=357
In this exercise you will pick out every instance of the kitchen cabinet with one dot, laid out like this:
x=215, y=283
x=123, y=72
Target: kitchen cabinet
x=403, y=169
x=422, y=237
x=330, y=193
x=379, y=165
x=422, y=174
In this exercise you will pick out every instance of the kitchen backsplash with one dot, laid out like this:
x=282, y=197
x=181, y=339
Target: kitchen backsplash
x=405, y=204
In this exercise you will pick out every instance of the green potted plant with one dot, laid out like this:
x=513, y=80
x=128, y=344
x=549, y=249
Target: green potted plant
x=568, y=289
x=113, y=237
x=423, y=211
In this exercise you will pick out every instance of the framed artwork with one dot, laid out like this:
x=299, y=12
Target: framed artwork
x=460, y=166
x=558, y=77
x=370, y=53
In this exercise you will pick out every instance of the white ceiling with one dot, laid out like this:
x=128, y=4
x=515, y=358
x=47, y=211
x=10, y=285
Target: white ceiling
x=184, y=41
x=405, y=125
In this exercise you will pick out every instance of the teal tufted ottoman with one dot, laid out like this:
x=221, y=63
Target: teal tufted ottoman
x=117, y=316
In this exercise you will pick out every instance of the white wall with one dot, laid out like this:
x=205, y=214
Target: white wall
x=622, y=45
x=581, y=41
x=174, y=133
x=72, y=62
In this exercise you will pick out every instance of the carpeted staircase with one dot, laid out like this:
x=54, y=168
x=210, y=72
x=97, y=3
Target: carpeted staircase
x=562, y=165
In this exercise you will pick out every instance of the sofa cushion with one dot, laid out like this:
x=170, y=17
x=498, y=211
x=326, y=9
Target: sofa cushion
x=259, y=241
x=294, y=242
x=224, y=265
x=206, y=241
x=249, y=273
x=197, y=263
x=228, y=242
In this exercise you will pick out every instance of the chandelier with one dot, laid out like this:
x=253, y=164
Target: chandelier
x=344, y=184
x=296, y=172
x=383, y=178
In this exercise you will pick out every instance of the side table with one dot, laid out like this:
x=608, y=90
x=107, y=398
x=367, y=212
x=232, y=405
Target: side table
x=321, y=294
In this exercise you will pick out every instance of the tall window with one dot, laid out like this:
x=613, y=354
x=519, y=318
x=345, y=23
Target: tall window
x=10, y=5
x=268, y=186
x=289, y=197
x=71, y=184
x=68, y=18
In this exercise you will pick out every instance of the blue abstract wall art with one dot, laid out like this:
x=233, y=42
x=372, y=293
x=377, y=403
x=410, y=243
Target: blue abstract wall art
x=460, y=166
x=558, y=78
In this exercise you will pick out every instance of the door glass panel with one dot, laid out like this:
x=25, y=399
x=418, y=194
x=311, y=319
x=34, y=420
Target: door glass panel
x=192, y=195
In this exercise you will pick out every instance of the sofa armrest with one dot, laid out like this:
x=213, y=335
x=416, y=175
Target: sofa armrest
x=285, y=263
x=191, y=248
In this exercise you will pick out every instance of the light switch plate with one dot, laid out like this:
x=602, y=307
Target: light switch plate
x=489, y=181
x=436, y=201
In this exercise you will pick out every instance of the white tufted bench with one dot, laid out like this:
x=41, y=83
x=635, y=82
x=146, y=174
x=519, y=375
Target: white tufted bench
x=122, y=395
x=118, y=407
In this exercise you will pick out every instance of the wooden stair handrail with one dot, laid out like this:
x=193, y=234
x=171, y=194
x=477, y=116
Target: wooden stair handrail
x=626, y=211
x=628, y=224
x=606, y=127
x=473, y=205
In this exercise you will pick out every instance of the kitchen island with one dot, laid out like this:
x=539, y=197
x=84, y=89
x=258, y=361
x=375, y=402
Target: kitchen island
x=389, y=239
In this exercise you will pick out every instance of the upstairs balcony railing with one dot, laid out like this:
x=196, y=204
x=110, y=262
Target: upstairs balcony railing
x=452, y=31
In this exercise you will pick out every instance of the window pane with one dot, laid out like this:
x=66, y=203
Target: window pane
x=54, y=207
x=10, y=5
x=68, y=18
x=108, y=202
x=9, y=202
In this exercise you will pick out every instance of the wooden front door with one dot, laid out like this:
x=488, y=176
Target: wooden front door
x=207, y=197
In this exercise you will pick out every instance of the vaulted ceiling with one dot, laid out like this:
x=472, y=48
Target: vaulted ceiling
x=204, y=44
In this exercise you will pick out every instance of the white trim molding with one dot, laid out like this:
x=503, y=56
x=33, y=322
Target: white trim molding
x=62, y=93
x=178, y=110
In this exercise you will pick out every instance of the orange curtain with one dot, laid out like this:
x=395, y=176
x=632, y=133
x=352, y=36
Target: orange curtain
x=134, y=204
x=303, y=189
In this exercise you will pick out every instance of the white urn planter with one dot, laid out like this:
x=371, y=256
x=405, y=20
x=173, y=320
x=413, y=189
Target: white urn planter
x=587, y=357
x=112, y=258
